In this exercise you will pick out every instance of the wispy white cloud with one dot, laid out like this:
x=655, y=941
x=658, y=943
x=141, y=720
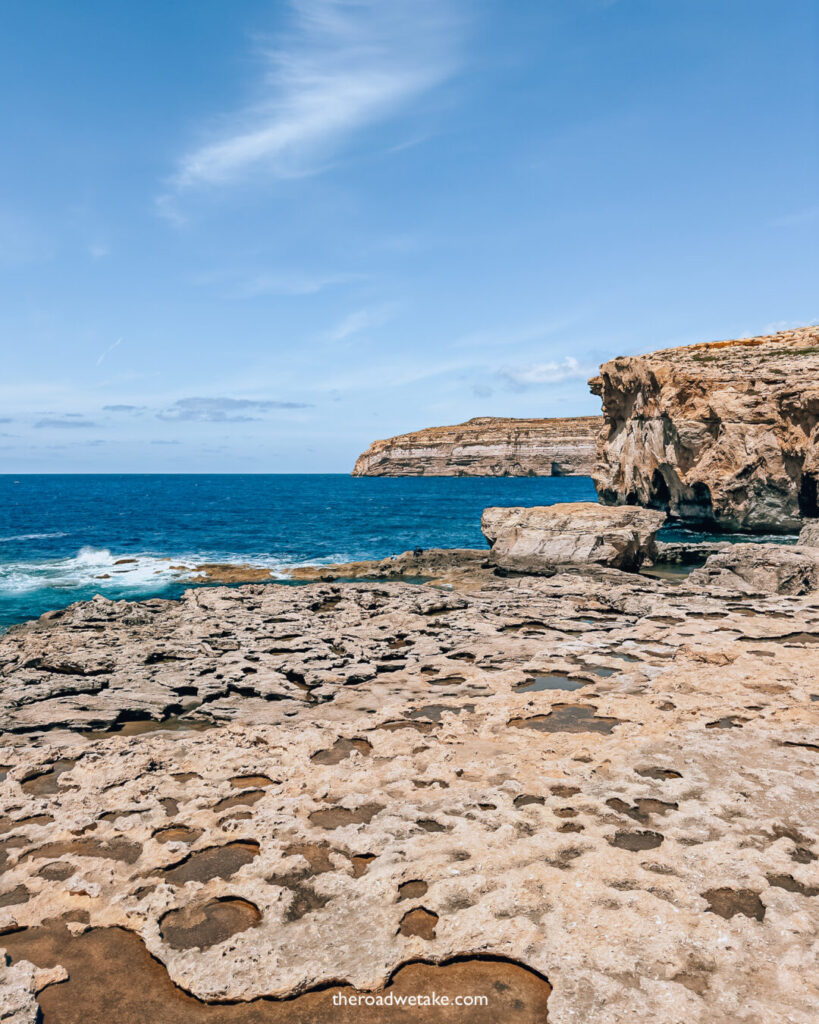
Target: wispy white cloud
x=273, y=282
x=358, y=321
x=223, y=410
x=109, y=350
x=518, y=378
x=342, y=65
x=70, y=421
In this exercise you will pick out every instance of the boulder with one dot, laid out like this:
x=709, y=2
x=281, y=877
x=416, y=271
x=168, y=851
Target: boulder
x=809, y=534
x=544, y=539
x=761, y=569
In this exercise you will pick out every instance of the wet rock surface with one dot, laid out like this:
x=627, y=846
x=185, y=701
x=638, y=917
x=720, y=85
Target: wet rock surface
x=400, y=806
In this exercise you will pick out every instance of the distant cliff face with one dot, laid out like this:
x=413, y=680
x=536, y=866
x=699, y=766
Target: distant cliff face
x=723, y=433
x=488, y=446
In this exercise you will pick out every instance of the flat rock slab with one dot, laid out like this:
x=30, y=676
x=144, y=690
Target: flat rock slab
x=543, y=539
x=643, y=851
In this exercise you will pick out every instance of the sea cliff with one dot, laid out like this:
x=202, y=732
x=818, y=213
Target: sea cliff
x=723, y=433
x=488, y=446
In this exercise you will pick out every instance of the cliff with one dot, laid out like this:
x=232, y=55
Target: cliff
x=488, y=446
x=723, y=433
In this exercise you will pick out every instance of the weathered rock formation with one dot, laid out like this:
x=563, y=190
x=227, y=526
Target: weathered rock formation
x=578, y=533
x=761, y=569
x=488, y=446
x=399, y=791
x=723, y=433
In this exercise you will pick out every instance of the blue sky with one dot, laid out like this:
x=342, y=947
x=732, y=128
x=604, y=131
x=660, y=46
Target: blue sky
x=255, y=236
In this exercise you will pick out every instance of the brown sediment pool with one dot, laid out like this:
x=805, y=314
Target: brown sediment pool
x=567, y=718
x=47, y=781
x=113, y=978
x=553, y=681
x=338, y=817
x=111, y=849
x=212, y=862
x=140, y=726
x=341, y=749
x=207, y=924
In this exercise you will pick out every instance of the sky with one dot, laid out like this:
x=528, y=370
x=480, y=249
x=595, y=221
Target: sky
x=256, y=236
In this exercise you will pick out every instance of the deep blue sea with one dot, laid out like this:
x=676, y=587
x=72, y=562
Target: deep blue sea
x=60, y=534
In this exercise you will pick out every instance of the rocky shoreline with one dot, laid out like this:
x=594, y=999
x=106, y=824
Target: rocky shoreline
x=587, y=784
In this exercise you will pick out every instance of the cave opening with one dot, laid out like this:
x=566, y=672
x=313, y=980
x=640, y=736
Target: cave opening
x=809, y=496
x=659, y=492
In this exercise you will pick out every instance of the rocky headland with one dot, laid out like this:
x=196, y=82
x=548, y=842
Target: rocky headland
x=724, y=433
x=488, y=446
x=586, y=793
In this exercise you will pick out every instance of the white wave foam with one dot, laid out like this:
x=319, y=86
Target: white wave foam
x=31, y=536
x=105, y=571
x=90, y=567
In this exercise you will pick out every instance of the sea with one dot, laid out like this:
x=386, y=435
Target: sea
x=64, y=538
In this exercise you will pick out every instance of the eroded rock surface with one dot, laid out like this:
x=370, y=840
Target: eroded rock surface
x=652, y=851
x=724, y=432
x=542, y=539
x=762, y=569
x=488, y=446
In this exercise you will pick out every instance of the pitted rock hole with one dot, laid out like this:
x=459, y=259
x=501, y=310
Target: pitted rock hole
x=341, y=749
x=110, y=849
x=245, y=799
x=791, y=884
x=728, y=902
x=14, y=898
x=142, y=726
x=338, y=817
x=9, y=824
x=251, y=781
x=361, y=863
x=317, y=856
x=43, y=783
x=412, y=890
x=57, y=871
x=527, y=798
x=204, y=925
x=110, y=967
x=637, y=841
x=177, y=834
x=420, y=922
x=551, y=682
x=212, y=862
x=642, y=808
x=567, y=718
x=661, y=774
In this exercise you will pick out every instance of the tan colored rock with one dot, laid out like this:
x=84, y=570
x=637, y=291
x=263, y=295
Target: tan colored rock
x=578, y=533
x=723, y=433
x=761, y=569
x=488, y=446
x=809, y=535
x=596, y=776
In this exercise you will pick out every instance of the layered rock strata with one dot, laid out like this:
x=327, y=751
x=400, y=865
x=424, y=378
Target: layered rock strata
x=488, y=446
x=723, y=433
x=577, y=533
x=597, y=780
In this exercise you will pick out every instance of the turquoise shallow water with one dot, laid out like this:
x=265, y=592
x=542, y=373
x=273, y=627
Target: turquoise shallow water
x=60, y=534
